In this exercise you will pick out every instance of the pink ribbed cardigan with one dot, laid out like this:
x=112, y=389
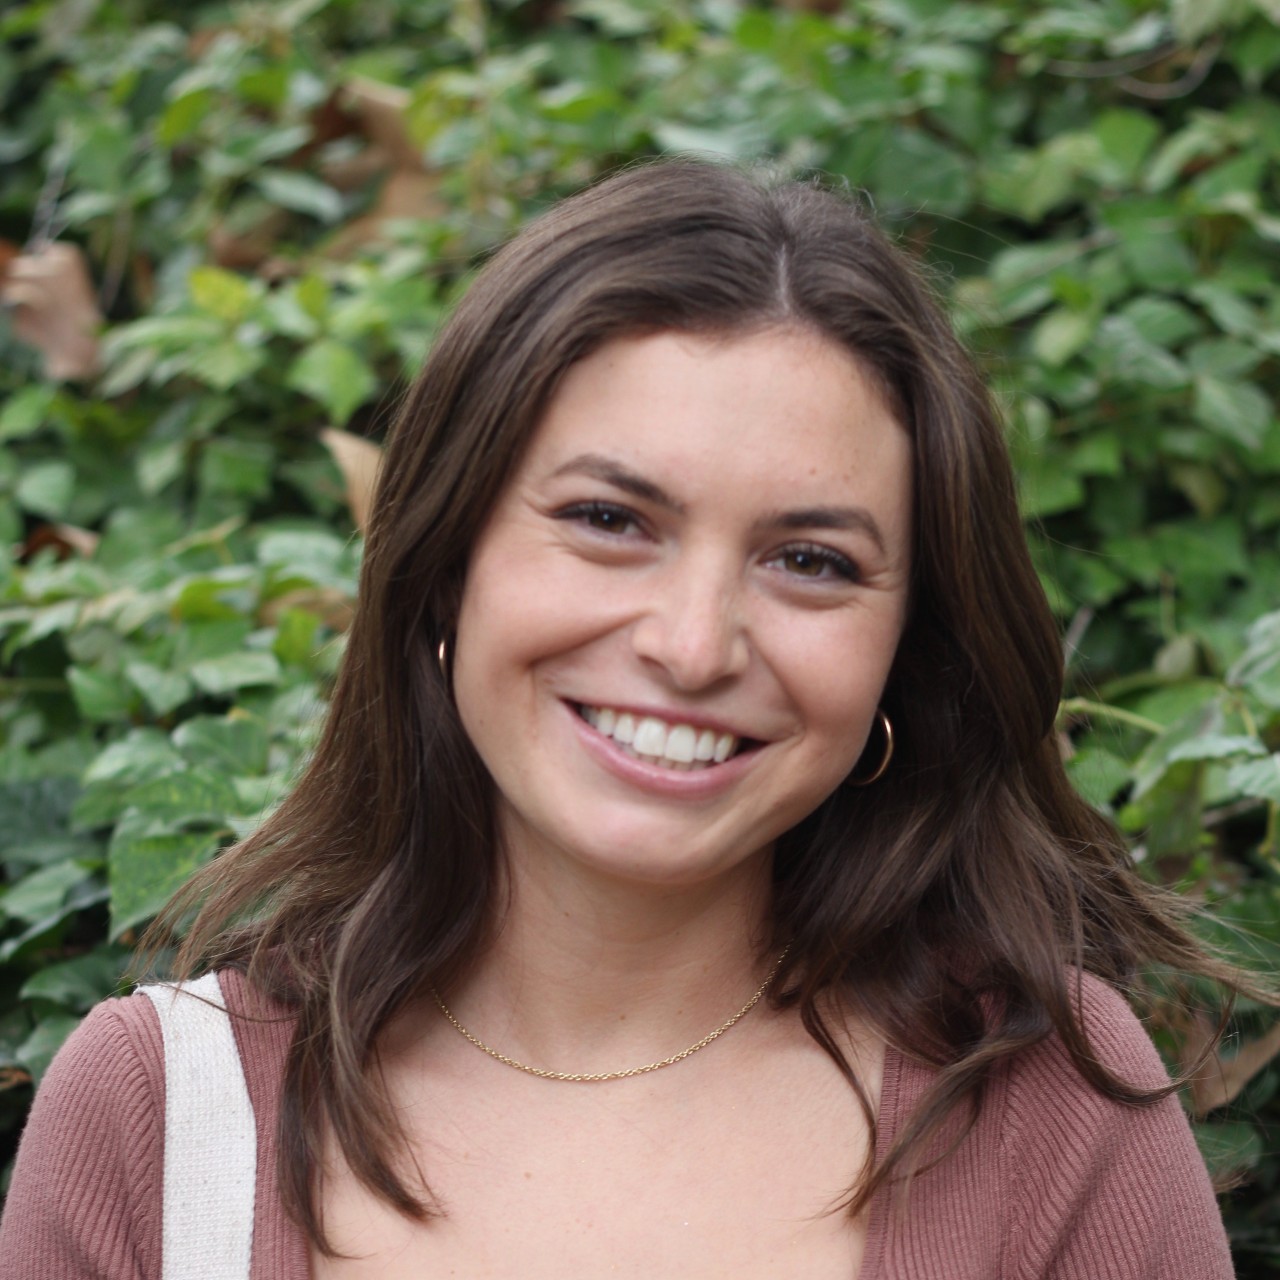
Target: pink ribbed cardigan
x=1053, y=1183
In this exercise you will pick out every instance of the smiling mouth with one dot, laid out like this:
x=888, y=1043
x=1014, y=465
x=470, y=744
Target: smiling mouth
x=672, y=746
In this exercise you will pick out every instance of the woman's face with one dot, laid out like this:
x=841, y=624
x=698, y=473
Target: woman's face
x=678, y=619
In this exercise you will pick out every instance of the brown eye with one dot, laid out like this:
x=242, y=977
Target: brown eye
x=817, y=563
x=605, y=517
x=608, y=519
x=804, y=563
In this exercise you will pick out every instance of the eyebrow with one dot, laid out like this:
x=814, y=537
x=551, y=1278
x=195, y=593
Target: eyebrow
x=599, y=467
x=855, y=519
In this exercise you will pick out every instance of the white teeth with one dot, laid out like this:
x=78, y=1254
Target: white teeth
x=677, y=746
x=681, y=742
x=651, y=737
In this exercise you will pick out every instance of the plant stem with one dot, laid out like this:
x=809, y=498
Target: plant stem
x=31, y=684
x=1102, y=711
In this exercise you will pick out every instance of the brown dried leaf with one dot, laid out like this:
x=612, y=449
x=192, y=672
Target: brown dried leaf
x=381, y=110
x=66, y=539
x=8, y=252
x=354, y=172
x=13, y=1078
x=1220, y=1080
x=358, y=459
x=405, y=194
x=55, y=309
x=243, y=247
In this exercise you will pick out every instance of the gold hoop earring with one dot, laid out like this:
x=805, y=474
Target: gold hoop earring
x=886, y=727
x=442, y=657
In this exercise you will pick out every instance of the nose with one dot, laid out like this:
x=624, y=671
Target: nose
x=693, y=627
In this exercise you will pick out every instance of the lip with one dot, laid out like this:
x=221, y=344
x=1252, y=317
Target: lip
x=694, y=784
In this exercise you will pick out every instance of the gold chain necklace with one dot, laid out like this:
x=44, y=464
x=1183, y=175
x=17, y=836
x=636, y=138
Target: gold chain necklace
x=597, y=1077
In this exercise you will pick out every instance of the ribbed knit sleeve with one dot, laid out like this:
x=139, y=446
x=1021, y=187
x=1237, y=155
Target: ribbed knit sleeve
x=1099, y=1190
x=86, y=1196
x=1053, y=1181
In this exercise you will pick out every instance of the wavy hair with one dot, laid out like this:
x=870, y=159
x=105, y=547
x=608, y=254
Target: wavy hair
x=949, y=903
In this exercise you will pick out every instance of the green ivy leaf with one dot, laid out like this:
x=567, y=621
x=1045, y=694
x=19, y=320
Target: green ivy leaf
x=158, y=465
x=1260, y=778
x=181, y=799
x=1203, y=486
x=144, y=753
x=146, y=869
x=1061, y=334
x=49, y=1035
x=1125, y=138
x=1046, y=489
x=222, y=293
x=301, y=193
x=236, y=671
x=1216, y=746
x=34, y=815
x=208, y=634
x=43, y=893
x=1258, y=668
x=163, y=691
x=241, y=467
x=309, y=555
x=1131, y=358
x=79, y=984
x=295, y=641
x=226, y=363
x=46, y=489
x=1098, y=774
x=915, y=170
x=334, y=375
x=235, y=743
x=1229, y=1145
x=100, y=696
x=1237, y=410
x=1161, y=320
x=1202, y=722
x=26, y=411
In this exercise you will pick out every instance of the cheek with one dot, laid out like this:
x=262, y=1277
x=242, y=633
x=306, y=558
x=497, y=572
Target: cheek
x=509, y=633
x=481, y=656
x=838, y=680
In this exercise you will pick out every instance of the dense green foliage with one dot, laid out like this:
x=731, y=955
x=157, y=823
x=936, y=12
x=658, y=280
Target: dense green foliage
x=1095, y=183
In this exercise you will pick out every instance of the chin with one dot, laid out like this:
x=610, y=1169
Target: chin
x=663, y=862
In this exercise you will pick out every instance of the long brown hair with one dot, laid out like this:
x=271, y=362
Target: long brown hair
x=949, y=901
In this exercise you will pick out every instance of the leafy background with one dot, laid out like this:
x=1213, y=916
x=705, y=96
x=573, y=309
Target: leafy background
x=227, y=231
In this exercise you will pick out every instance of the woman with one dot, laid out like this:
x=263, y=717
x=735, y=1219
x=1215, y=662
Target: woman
x=687, y=882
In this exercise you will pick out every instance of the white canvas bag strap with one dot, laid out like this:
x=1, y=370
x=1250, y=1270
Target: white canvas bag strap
x=210, y=1144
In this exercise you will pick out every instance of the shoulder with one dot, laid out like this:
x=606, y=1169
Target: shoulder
x=87, y=1184
x=110, y=1071
x=1116, y=1039
x=1089, y=1176
x=221, y=1026
x=263, y=1030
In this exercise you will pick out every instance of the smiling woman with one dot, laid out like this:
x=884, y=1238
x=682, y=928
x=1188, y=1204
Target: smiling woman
x=693, y=756
x=669, y=564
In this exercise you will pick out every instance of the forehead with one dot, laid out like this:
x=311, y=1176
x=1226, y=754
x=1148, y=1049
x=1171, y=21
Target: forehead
x=778, y=414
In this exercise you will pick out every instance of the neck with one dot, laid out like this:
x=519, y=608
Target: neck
x=588, y=974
